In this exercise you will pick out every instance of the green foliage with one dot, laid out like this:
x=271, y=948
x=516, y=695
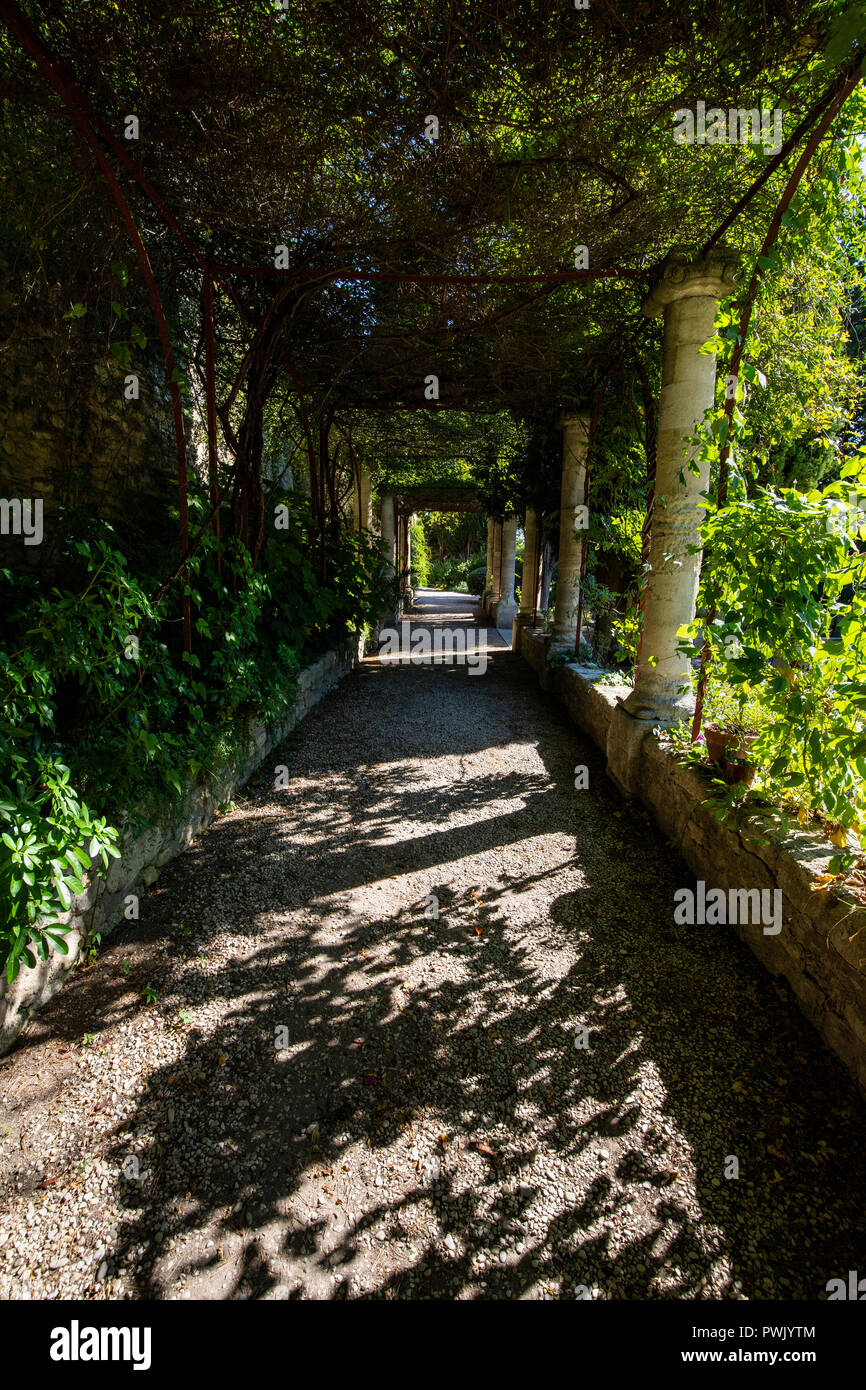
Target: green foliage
x=787, y=572
x=620, y=532
x=736, y=709
x=614, y=541
x=801, y=377
x=420, y=556
x=848, y=29
x=476, y=577
x=100, y=709
x=48, y=842
x=614, y=614
x=559, y=659
x=317, y=614
x=455, y=534
x=454, y=574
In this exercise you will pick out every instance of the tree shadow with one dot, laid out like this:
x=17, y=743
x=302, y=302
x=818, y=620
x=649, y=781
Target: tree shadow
x=539, y=1088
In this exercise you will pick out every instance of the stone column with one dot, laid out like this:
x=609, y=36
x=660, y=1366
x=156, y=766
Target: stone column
x=362, y=511
x=571, y=530
x=493, y=596
x=410, y=592
x=529, y=581
x=401, y=560
x=506, y=607
x=488, y=583
x=388, y=527
x=687, y=294
x=389, y=530
x=546, y=572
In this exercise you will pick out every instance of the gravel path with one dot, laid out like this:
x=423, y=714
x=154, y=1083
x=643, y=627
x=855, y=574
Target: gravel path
x=336, y=1095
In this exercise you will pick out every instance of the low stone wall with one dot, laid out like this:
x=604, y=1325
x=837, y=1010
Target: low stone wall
x=821, y=949
x=101, y=907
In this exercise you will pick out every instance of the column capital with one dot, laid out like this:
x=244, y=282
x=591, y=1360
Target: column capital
x=686, y=274
x=573, y=417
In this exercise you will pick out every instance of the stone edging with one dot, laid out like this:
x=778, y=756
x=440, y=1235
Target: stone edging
x=821, y=949
x=101, y=907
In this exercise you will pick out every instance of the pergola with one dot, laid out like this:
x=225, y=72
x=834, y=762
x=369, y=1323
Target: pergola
x=377, y=197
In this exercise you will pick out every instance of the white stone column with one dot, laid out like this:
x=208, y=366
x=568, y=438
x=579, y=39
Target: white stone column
x=571, y=530
x=493, y=596
x=362, y=510
x=506, y=607
x=389, y=530
x=687, y=294
x=402, y=579
x=529, y=580
x=410, y=592
x=488, y=583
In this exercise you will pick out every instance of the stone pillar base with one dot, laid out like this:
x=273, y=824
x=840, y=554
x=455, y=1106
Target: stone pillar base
x=521, y=620
x=504, y=613
x=561, y=641
x=625, y=735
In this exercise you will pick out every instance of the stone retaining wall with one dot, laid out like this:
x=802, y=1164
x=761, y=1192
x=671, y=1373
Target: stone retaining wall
x=821, y=949
x=76, y=442
x=101, y=907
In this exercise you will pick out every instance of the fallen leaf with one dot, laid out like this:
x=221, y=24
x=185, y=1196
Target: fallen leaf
x=484, y=1149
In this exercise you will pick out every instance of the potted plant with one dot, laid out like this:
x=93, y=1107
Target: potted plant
x=730, y=730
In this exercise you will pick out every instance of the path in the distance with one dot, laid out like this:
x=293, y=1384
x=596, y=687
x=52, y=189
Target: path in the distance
x=425, y=1125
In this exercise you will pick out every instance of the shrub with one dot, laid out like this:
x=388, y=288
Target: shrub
x=789, y=589
x=420, y=557
x=103, y=718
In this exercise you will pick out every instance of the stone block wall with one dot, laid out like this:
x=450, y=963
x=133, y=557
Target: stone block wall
x=70, y=438
x=821, y=949
x=101, y=907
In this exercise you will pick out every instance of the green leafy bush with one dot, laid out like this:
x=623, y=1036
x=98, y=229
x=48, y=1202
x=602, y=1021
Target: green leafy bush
x=453, y=574
x=787, y=573
x=476, y=579
x=420, y=556
x=104, y=719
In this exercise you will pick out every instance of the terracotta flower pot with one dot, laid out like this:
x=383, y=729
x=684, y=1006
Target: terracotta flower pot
x=717, y=742
x=730, y=751
x=739, y=771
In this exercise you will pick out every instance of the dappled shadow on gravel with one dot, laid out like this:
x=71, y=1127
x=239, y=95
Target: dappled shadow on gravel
x=424, y=1028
